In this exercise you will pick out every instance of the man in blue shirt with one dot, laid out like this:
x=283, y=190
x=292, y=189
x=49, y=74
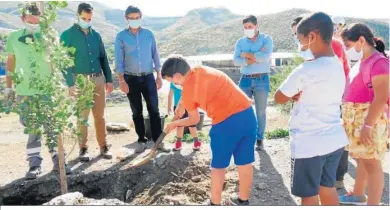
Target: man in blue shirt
x=253, y=54
x=136, y=57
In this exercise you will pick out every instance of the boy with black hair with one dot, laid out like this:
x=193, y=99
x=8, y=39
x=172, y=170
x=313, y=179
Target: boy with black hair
x=228, y=107
x=316, y=131
x=338, y=49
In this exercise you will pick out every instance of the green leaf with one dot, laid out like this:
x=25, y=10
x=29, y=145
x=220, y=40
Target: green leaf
x=26, y=131
x=70, y=125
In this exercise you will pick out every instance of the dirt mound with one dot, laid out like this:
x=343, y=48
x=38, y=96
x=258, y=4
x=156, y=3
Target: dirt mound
x=178, y=179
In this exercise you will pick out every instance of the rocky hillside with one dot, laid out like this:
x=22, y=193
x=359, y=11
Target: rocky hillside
x=221, y=38
x=9, y=19
x=200, y=31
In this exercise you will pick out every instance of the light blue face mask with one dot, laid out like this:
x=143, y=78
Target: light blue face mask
x=296, y=40
x=306, y=54
x=84, y=24
x=134, y=23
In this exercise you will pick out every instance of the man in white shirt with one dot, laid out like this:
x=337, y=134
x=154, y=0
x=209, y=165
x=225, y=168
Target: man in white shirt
x=316, y=132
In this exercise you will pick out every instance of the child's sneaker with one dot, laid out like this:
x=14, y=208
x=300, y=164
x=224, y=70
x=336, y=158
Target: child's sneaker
x=350, y=199
x=197, y=145
x=177, y=146
x=236, y=201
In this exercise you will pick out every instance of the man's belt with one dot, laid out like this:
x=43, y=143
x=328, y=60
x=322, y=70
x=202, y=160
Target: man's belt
x=138, y=74
x=257, y=75
x=93, y=75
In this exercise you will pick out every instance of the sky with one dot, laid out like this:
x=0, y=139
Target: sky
x=348, y=8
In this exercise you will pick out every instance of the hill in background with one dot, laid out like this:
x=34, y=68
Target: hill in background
x=200, y=31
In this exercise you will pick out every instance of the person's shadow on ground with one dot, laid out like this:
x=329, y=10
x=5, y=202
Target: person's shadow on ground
x=268, y=186
x=78, y=166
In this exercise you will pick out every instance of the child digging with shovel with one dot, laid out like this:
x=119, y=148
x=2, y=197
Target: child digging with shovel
x=233, y=132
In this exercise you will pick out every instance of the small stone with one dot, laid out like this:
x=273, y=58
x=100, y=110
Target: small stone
x=261, y=186
x=174, y=200
x=269, y=192
x=128, y=194
x=199, y=198
x=66, y=199
x=199, y=191
x=196, y=179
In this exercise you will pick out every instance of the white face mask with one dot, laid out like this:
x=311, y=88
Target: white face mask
x=353, y=54
x=178, y=86
x=250, y=33
x=32, y=28
x=307, y=54
x=135, y=23
x=83, y=24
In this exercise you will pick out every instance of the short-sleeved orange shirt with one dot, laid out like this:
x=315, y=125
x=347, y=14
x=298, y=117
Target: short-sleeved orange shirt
x=214, y=92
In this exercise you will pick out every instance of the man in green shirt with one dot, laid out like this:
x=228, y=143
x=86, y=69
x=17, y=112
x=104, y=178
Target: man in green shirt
x=91, y=61
x=19, y=60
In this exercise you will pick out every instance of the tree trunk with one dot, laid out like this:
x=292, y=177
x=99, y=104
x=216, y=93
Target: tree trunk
x=61, y=160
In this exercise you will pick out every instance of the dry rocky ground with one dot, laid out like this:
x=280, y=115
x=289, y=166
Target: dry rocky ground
x=171, y=179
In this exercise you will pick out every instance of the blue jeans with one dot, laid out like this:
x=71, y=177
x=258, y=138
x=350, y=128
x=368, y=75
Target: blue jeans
x=257, y=88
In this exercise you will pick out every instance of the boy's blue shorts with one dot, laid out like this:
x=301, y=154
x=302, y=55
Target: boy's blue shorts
x=235, y=136
x=308, y=174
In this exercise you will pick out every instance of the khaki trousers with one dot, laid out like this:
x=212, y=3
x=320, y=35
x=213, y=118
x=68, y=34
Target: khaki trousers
x=98, y=114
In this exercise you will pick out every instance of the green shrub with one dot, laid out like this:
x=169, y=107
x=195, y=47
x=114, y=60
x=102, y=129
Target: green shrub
x=277, y=134
x=277, y=79
x=202, y=136
x=3, y=40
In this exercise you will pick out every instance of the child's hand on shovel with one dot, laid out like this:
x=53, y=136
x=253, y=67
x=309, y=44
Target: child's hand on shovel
x=172, y=125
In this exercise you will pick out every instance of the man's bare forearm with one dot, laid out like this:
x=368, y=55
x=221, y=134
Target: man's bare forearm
x=120, y=77
x=159, y=74
x=8, y=81
x=10, y=69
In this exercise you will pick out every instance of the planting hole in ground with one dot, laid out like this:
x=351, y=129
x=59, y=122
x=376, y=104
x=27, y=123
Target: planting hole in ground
x=170, y=179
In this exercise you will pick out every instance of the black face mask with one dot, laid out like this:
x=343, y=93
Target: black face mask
x=23, y=38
